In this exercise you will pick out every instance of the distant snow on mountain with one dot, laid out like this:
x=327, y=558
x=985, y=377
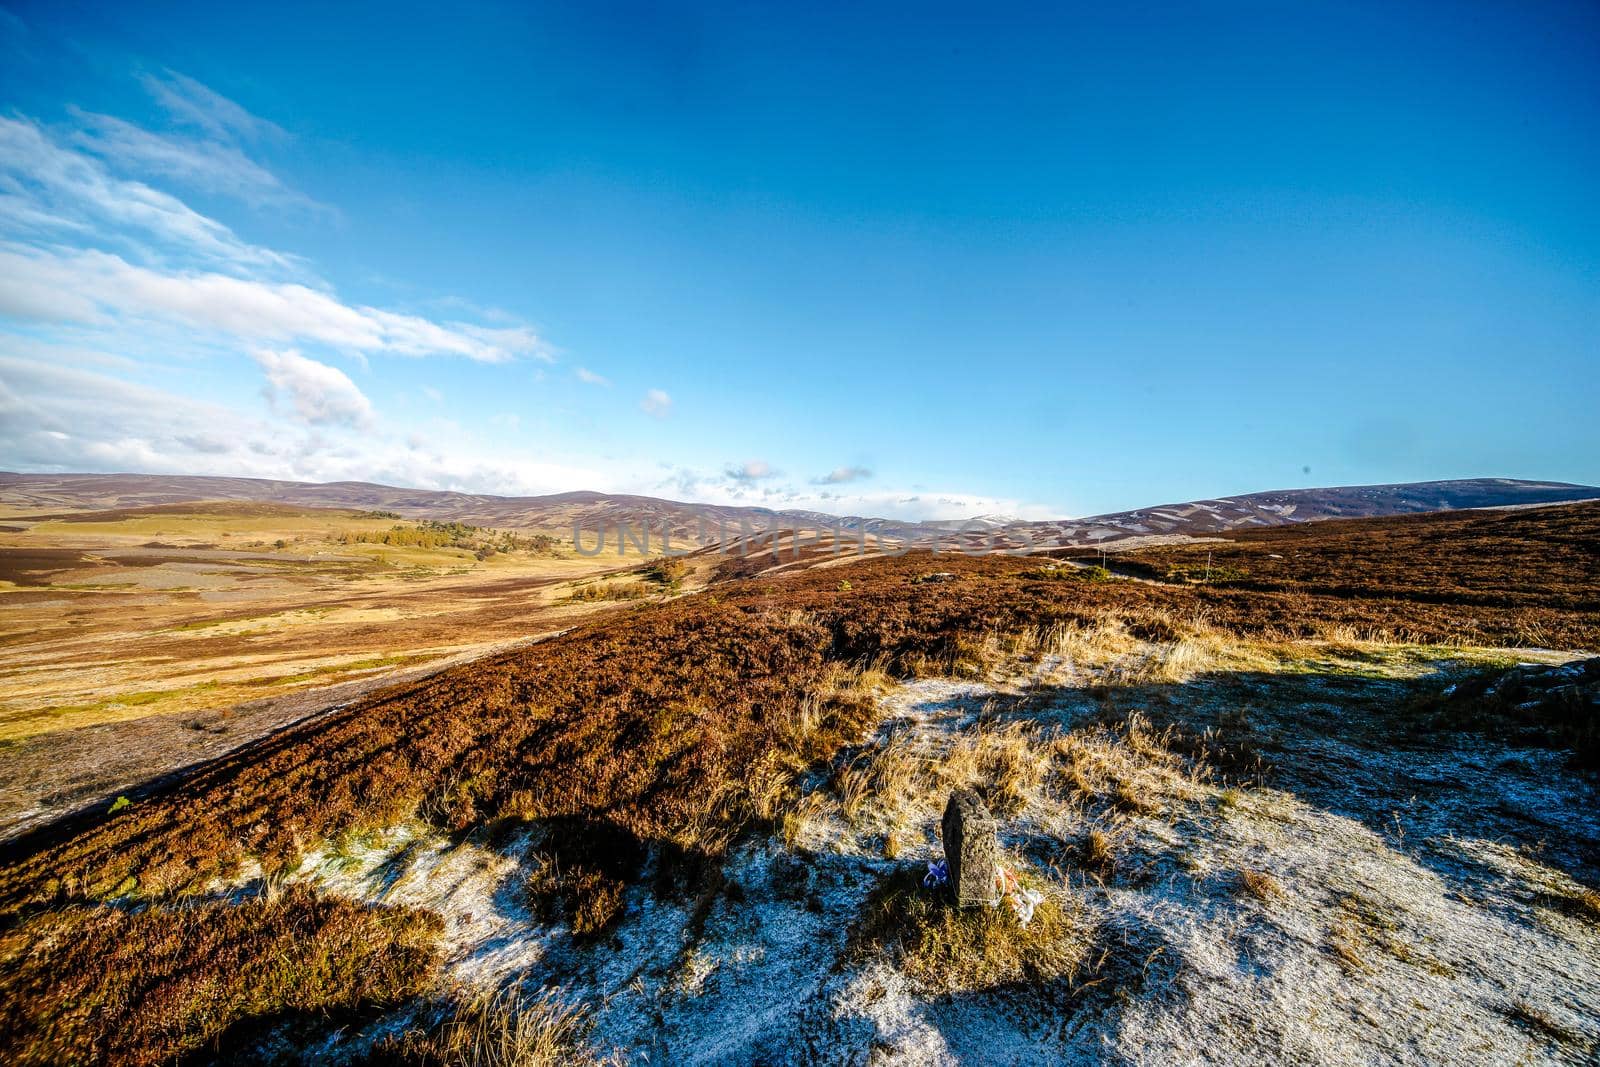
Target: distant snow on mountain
x=688, y=523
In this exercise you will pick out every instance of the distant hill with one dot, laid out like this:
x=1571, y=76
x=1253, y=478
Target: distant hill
x=1200, y=518
x=689, y=522
x=558, y=511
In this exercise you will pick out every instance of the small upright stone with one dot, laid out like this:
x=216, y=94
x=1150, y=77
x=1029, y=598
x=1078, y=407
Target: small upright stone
x=970, y=849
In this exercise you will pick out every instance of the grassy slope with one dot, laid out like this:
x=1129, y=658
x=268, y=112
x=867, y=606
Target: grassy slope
x=654, y=721
x=117, y=615
x=680, y=723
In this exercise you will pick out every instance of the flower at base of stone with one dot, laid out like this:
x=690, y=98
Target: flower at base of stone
x=1023, y=901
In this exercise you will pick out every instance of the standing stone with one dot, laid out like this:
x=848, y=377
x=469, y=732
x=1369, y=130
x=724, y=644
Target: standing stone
x=970, y=849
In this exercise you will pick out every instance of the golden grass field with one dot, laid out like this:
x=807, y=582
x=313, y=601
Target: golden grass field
x=140, y=639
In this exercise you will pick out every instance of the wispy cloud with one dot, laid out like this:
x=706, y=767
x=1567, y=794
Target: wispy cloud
x=656, y=402
x=841, y=475
x=319, y=395
x=82, y=244
x=196, y=105
x=50, y=190
x=589, y=377
x=93, y=286
x=208, y=152
x=211, y=166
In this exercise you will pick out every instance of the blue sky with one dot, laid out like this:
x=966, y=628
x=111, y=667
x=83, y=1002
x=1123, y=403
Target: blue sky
x=914, y=261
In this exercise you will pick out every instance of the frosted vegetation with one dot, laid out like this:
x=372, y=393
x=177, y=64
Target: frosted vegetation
x=1239, y=862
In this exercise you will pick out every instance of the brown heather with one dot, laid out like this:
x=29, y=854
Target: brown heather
x=1534, y=570
x=94, y=984
x=683, y=722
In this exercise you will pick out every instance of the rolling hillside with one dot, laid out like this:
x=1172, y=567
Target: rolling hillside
x=689, y=522
x=701, y=824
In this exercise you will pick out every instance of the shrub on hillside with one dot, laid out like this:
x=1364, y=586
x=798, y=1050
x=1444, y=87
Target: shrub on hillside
x=667, y=571
x=1070, y=573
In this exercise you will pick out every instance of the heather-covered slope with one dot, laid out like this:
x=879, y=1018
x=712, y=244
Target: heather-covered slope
x=646, y=808
x=655, y=719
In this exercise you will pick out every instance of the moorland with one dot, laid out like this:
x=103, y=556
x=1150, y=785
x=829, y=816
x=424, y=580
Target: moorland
x=1268, y=789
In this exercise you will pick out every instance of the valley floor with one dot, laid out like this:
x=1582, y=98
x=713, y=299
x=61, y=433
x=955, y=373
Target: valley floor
x=140, y=643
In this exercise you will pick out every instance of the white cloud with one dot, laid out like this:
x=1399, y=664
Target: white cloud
x=841, y=475
x=589, y=377
x=64, y=418
x=57, y=418
x=87, y=286
x=52, y=352
x=412, y=335
x=61, y=418
x=758, y=482
x=752, y=470
x=321, y=395
x=656, y=402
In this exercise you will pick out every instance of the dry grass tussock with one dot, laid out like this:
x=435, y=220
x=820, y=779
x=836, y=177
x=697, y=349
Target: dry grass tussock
x=578, y=874
x=1046, y=775
x=1567, y=897
x=945, y=949
x=1260, y=884
x=1114, y=648
x=498, y=1028
x=810, y=734
x=1363, y=928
